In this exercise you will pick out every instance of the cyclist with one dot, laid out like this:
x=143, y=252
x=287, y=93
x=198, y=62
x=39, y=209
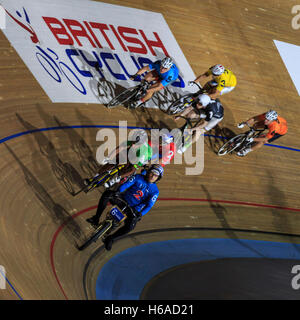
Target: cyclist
x=223, y=81
x=163, y=72
x=141, y=152
x=140, y=192
x=270, y=120
x=164, y=151
x=211, y=111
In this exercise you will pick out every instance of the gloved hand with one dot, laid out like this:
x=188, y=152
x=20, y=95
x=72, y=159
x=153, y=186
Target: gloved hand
x=133, y=76
x=241, y=125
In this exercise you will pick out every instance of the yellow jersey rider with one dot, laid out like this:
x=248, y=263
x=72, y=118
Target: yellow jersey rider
x=223, y=81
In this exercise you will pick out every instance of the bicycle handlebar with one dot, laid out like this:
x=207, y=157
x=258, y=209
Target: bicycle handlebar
x=198, y=85
x=254, y=129
x=126, y=205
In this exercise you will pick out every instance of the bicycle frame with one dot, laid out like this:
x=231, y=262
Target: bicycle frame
x=114, y=217
x=242, y=142
x=100, y=180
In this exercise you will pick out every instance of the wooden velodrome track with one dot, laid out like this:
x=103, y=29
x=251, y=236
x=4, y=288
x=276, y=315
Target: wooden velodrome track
x=38, y=253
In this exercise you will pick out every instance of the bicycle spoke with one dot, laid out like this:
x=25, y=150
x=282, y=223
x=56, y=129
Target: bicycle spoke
x=123, y=97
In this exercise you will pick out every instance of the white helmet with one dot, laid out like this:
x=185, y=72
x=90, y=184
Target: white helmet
x=271, y=115
x=167, y=62
x=217, y=70
x=139, y=135
x=204, y=99
x=166, y=138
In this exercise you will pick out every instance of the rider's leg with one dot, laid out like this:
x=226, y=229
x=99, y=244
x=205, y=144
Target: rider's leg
x=105, y=198
x=209, y=85
x=258, y=145
x=154, y=88
x=129, y=225
x=151, y=76
x=226, y=90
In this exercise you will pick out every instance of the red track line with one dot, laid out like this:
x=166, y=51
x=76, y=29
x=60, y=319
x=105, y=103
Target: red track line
x=231, y=202
x=161, y=199
x=53, y=243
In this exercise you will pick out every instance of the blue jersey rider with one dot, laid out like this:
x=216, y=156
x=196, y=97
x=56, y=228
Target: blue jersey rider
x=163, y=72
x=140, y=192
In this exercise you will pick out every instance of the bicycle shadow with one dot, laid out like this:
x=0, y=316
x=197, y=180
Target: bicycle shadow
x=102, y=84
x=87, y=162
x=145, y=118
x=65, y=173
x=221, y=213
x=217, y=136
x=105, y=87
x=281, y=222
x=56, y=211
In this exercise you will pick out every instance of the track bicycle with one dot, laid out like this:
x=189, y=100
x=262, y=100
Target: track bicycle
x=130, y=95
x=101, y=179
x=184, y=138
x=114, y=217
x=185, y=101
x=240, y=141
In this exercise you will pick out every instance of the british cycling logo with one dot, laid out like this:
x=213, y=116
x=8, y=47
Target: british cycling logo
x=60, y=71
x=48, y=59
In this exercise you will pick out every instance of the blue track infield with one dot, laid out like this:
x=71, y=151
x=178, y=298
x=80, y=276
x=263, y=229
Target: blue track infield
x=125, y=275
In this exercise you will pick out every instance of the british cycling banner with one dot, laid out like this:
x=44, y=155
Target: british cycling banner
x=84, y=51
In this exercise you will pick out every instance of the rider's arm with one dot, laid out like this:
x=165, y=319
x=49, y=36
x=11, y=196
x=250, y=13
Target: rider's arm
x=150, y=203
x=202, y=76
x=143, y=70
x=186, y=111
x=131, y=181
x=157, y=86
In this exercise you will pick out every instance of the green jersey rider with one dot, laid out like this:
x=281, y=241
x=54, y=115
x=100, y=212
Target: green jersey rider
x=139, y=151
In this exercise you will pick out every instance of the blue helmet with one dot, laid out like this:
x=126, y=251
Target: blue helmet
x=157, y=169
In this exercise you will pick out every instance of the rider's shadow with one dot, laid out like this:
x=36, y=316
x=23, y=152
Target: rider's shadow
x=216, y=137
x=221, y=213
x=87, y=162
x=103, y=85
x=65, y=173
x=57, y=212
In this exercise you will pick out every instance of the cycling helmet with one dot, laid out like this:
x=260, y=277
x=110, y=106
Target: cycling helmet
x=167, y=62
x=271, y=115
x=166, y=138
x=217, y=70
x=139, y=135
x=157, y=169
x=204, y=99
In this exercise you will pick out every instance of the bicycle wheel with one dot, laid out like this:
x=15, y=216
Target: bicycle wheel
x=99, y=232
x=180, y=104
x=232, y=144
x=123, y=97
